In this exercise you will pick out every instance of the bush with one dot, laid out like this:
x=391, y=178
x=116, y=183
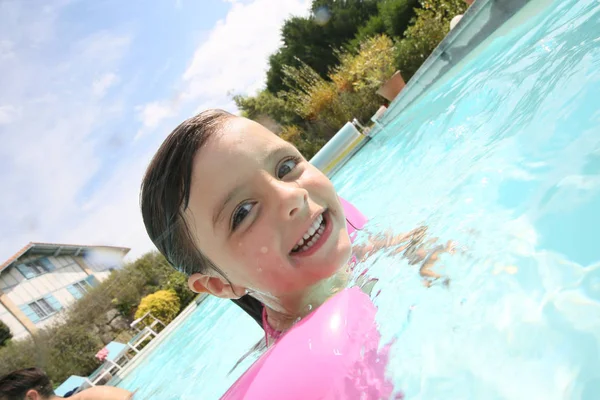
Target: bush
x=431, y=25
x=61, y=351
x=350, y=92
x=68, y=349
x=18, y=354
x=71, y=351
x=178, y=282
x=397, y=15
x=163, y=304
x=305, y=141
x=5, y=334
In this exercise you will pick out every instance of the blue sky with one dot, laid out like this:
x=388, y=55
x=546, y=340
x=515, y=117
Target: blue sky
x=88, y=91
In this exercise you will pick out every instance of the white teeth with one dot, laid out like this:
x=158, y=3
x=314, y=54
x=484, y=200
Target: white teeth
x=314, y=233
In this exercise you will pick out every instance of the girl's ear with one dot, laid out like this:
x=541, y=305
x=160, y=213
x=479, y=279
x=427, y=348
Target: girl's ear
x=32, y=395
x=200, y=283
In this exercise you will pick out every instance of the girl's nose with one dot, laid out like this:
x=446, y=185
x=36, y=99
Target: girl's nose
x=293, y=199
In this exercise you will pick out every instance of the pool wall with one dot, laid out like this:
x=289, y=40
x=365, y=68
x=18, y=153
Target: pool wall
x=157, y=341
x=345, y=143
x=480, y=21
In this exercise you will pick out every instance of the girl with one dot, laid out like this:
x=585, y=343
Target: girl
x=244, y=215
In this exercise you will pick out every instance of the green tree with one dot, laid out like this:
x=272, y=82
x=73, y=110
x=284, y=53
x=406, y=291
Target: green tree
x=397, y=15
x=312, y=40
x=429, y=29
x=266, y=103
x=5, y=334
x=392, y=19
x=71, y=351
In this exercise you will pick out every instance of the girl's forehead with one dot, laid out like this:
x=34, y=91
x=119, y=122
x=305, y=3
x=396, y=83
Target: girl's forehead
x=243, y=137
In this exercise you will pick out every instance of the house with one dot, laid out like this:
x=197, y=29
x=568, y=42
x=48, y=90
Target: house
x=43, y=279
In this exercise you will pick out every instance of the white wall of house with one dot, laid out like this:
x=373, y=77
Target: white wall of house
x=17, y=329
x=67, y=271
x=22, y=290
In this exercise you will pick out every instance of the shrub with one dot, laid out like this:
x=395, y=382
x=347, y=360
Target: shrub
x=431, y=25
x=18, y=354
x=368, y=69
x=305, y=140
x=350, y=92
x=179, y=284
x=5, y=334
x=163, y=304
x=69, y=348
x=71, y=351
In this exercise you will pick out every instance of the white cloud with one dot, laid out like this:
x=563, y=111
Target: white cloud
x=6, y=49
x=8, y=114
x=103, y=48
x=153, y=113
x=234, y=59
x=113, y=214
x=235, y=56
x=51, y=130
x=50, y=142
x=101, y=85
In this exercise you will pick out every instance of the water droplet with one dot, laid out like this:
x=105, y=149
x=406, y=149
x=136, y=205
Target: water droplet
x=322, y=16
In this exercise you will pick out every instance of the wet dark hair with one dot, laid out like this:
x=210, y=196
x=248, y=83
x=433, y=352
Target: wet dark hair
x=165, y=192
x=16, y=384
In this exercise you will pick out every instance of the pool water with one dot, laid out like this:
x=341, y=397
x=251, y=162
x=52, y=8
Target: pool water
x=196, y=360
x=503, y=158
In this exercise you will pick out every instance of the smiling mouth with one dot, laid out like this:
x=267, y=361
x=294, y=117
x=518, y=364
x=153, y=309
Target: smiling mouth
x=311, y=236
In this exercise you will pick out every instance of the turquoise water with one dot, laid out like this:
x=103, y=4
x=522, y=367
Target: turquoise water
x=194, y=361
x=504, y=159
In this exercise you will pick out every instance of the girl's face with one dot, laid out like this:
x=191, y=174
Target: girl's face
x=266, y=217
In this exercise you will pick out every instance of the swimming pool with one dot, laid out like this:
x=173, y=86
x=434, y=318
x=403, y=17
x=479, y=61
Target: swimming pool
x=502, y=155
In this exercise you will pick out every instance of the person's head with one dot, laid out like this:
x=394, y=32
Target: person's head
x=26, y=384
x=228, y=202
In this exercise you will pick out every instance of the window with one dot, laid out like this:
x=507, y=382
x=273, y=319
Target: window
x=35, y=268
x=82, y=287
x=42, y=308
x=65, y=261
x=79, y=289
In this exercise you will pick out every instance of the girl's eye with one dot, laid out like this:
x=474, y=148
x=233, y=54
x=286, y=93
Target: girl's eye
x=286, y=167
x=239, y=214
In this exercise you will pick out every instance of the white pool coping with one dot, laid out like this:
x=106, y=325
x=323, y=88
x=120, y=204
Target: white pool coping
x=143, y=354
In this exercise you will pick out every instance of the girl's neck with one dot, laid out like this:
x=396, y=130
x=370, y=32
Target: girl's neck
x=282, y=315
